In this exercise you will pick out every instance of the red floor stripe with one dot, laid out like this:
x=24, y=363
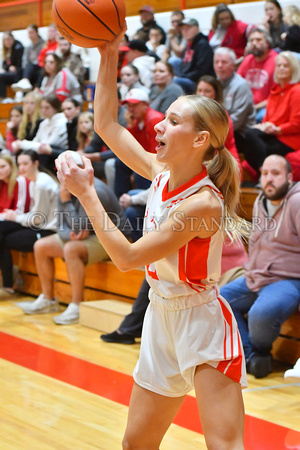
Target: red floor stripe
x=115, y=386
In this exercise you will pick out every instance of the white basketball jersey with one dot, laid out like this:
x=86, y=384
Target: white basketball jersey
x=196, y=267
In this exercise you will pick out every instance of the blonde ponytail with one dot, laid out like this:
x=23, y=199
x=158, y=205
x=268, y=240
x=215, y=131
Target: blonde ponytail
x=222, y=167
x=224, y=172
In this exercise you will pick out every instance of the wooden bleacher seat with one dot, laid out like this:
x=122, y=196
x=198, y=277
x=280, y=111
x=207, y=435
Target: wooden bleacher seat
x=103, y=315
x=102, y=278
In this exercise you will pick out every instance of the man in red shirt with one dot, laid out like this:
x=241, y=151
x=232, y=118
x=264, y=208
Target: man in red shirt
x=258, y=69
x=141, y=120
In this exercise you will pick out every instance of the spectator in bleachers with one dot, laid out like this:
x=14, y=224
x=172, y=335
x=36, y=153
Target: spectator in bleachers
x=71, y=109
x=227, y=31
x=279, y=132
x=237, y=95
x=270, y=290
x=85, y=129
x=134, y=204
x=50, y=44
x=70, y=60
x=175, y=44
x=12, y=53
x=141, y=121
x=154, y=44
x=291, y=38
x=164, y=91
x=130, y=79
x=258, y=69
x=102, y=158
x=19, y=231
x=122, y=56
x=12, y=126
x=32, y=72
x=273, y=22
x=30, y=121
x=51, y=134
x=148, y=21
x=138, y=56
x=75, y=242
x=197, y=59
x=209, y=86
x=59, y=80
x=14, y=189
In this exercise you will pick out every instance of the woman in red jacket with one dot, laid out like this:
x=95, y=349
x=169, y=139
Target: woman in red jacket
x=279, y=133
x=14, y=189
x=227, y=31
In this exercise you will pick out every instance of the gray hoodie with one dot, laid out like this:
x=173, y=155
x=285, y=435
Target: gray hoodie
x=274, y=246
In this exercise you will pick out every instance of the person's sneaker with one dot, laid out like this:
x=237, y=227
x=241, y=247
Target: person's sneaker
x=22, y=85
x=260, y=366
x=8, y=290
x=293, y=373
x=41, y=305
x=69, y=316
x=118, y=338
x=19, y=96
x=8, y=100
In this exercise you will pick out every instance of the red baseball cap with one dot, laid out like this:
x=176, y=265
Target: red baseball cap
x=147, y=8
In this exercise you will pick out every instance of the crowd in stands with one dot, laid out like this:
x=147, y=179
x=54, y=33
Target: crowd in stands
x=253, y=70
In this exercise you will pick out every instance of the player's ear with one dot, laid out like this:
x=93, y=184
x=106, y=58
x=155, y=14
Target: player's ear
x=202, y=138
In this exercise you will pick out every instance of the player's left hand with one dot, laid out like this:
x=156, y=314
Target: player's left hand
x=78, y=180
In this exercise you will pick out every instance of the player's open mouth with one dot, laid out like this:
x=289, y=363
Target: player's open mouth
x=160, y=145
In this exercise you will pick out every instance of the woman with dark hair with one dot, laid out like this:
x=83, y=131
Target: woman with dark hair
x=130, y=79
x=71, y=109
x=51, y=137
x=165, y=91
x=12, y=53
x=209, y=86
x=58, y=80
x=273, y=22
x=227, y=31
x=19, y=231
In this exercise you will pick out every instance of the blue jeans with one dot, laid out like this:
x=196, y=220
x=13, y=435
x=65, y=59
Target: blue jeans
x=135, y=214
x=267, y=309
x=260, y=115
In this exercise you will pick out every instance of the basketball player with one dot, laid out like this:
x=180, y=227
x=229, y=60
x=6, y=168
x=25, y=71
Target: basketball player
x=190, y=337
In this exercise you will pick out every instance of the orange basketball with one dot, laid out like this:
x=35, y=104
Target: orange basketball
x=89, y=23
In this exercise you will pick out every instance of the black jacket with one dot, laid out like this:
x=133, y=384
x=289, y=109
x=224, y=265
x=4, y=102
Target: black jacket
x=201, y=59
x=292, y=40
x=15, y=58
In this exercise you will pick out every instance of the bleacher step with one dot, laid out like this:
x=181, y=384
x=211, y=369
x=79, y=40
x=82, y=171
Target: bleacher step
x=103, y=315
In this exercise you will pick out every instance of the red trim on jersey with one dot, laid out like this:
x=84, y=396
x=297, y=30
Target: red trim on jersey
x=152, y=273
x=166, y=195
x=228, y=317
x=192, y=261
x=232, y=367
